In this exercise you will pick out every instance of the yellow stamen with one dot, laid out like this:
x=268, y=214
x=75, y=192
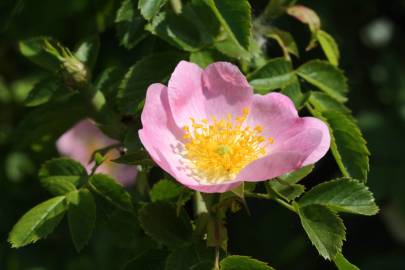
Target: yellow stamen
x=219, y=149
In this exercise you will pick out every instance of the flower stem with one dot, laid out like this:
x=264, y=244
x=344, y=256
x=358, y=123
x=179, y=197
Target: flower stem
x=285, y=204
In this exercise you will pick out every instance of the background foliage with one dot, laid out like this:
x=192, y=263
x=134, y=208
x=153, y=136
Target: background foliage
x=370, y=38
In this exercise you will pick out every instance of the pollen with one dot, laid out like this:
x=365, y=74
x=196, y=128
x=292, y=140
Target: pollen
x=218, y=149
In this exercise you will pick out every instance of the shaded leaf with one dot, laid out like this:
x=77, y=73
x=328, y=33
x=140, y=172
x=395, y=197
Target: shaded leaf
x=326, y=77
x=286, y=190
x=293, y=91
x=324, y=228
x=342, y=195
x=191, y=256
x=276, y=74
x=111, y=190
x=81, y=217
x=139, y=157
x=243, y=263
x=285, y=40
x=235, y=18
x=298, y=175
x=149, y=8
x=161, y=222
x=44, y=91
x=166, y=190
x=87, y=51
x=38, y=222
x=151, y=69
x=130, y=24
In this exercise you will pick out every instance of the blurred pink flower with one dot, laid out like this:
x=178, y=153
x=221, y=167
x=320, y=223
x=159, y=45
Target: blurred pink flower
x=210, y=132
x=83, y=139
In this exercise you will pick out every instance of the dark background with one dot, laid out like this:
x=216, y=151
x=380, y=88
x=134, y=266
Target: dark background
x=371, y=38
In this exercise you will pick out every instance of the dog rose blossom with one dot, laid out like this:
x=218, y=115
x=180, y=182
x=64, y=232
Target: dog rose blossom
x=83, y=139
x=210, y=132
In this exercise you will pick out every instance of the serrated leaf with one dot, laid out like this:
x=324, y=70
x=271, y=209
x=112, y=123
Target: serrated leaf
x=342, y=195
x=149, y=8
x=151, y=69
x=44, y=91
x=135, y=158
x=190, y=256
x=161, y=222
x=165, y=190
x=37, y=50
x=324, y=228
x=243, y=263
x=111, y=190
x=87, y=51
x=348, y=146
x=326, y=77
x=205, y=57
x=343, y=264
x=38, y=222
x=284, y=39
x=81, y=216
x=329, y=47
x=130, y=24
x=235, y=18
x=61, y=175
x=275, y=74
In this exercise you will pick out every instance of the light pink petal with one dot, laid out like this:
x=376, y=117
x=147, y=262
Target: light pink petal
x=186, y=94
x=303, y=143
x=274, y=112
x=125, y=174
x=226, y=90
x=219, y=90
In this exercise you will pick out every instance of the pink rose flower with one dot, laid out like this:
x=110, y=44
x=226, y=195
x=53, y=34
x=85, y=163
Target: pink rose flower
x=83, y=139
x=210, y=132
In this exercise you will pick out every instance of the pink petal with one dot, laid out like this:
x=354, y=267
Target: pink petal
x=226, y=90
x=82, y=140
x=303, y=143
x=185, y=93
x=218, y=90
x=162, y=139
x=274, y=112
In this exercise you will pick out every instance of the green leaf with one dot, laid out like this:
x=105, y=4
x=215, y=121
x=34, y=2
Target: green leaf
x=326, y=77
x=87, y=51
x=112, y=191
x=296, y=176
x=293, y=91
x=235, y=18
x=275, y=8
x=342, y=195
x=61, y=175
x=190, y=256
x=165, y=190
x=287, y=191
x=151, y=69
x=130, y=24
x=343, y=264
x=153, y=259
x=329, y=47
x=81, y=216
x=42, y=126
x=139, y=157
x=161, y=222
x=324, y=228
x=38, y=222
x=347, y=145
x=284, y=39
x=43, y=51
x=205, y=57
x=243, y=263
x=44, y=91
x=149, y=8
x=276, y=74
x=188, y=30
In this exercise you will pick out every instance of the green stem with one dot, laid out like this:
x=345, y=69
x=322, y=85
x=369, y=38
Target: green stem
x=199, y=204
x=285, y=204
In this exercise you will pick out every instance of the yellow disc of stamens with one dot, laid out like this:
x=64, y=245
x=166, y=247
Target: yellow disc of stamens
x=219, y=149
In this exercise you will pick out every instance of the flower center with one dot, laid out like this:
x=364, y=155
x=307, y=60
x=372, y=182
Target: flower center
x=219, y=149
